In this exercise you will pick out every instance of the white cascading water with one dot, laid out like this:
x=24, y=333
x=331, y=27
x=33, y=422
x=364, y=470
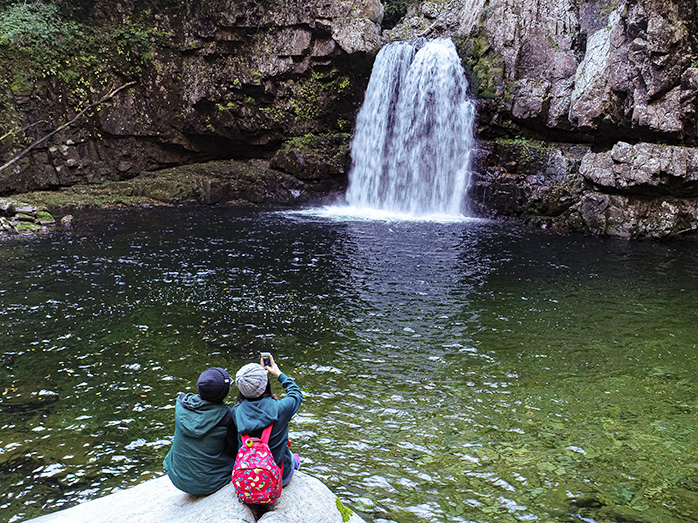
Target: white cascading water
x=414, y=133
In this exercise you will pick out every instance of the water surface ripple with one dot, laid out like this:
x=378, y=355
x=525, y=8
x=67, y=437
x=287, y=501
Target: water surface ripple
x=453, y=372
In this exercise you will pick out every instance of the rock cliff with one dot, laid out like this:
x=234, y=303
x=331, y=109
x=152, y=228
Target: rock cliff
x=587, y=109
x=586, y=112
x=214, y=80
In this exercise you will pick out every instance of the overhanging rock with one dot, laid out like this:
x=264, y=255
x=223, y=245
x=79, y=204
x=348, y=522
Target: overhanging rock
x=304, y=500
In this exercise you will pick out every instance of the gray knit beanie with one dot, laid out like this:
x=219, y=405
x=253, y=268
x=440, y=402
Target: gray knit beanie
x=252, y=380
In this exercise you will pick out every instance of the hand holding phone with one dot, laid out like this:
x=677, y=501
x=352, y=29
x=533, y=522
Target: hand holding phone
x=266, y=359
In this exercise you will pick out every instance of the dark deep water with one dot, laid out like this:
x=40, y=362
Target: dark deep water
x=453, y=372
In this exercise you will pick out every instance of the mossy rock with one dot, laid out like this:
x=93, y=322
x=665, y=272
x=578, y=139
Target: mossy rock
x=314, y=157
x=28, y=227
x=45, y=218
x=485, y=65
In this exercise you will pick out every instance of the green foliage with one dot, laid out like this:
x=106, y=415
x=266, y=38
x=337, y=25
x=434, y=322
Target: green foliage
x=36, y=43
x=329, y=148
x=315, y=93
x=525, y=149
x=519, y=141
x=307, y=106
x=31, y=24
x=277, y=114
x=302, y=143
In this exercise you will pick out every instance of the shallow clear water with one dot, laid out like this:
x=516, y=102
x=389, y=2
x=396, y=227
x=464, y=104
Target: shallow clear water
x=453, y=371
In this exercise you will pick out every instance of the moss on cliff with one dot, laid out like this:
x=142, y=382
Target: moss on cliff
x=486, y=66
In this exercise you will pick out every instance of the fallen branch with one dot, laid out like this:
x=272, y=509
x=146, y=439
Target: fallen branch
x=15, y=131
x=106, y=97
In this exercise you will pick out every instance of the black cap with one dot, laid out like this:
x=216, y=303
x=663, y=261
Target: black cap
x=214, y=384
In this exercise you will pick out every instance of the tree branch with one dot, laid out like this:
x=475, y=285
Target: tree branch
x=15, y=131
x=106, y=97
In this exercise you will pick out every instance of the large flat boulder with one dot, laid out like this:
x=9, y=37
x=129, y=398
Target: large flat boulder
x=304, y=500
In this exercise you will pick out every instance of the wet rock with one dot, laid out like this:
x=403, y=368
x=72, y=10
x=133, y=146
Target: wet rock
x=7, y=207
x=6, y=226
x=637, y=217
x=358, y=35
x=314, y=157
x=530, y=97
x=225, y=181
x=25, y=208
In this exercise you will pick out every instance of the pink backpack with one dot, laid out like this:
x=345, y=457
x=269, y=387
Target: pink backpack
x=256, y=476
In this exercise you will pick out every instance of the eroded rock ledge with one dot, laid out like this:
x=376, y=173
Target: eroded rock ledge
x=641, y=190
x=304, y=500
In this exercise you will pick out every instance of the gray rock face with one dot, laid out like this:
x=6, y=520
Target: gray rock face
x=598, y=73
x=644, y=168
x=643, y=190
x=304, y=500
x=633, y=217
x=214, y=80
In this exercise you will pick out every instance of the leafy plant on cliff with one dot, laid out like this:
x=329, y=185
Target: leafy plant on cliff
x=37, y=43
x=30, y=24
x=41, y=49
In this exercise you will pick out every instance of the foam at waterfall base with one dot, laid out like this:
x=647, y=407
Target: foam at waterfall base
x=352, y=213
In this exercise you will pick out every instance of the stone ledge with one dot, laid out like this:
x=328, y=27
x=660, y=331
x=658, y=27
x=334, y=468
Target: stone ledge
x=304, y=500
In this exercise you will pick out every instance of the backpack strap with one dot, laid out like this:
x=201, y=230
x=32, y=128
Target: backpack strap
x=266, y=433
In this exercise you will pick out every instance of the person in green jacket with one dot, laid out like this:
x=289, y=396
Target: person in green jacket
x=205, y=441
x=257, y=408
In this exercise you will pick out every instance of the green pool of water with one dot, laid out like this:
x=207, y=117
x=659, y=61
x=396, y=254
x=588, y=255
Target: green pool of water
x=464, y=372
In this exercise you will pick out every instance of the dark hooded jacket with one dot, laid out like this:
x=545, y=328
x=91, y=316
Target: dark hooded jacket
x=205, y=443
x=252, y=417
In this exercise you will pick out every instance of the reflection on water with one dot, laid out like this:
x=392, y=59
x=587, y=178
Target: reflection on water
x=453, y=371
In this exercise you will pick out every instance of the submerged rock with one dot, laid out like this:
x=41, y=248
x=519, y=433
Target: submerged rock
x=304, y=500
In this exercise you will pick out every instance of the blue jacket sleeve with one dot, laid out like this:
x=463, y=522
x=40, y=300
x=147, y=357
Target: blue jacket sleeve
x=288, y=406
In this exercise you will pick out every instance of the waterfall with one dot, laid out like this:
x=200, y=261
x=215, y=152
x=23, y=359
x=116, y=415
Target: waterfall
x=414, y=133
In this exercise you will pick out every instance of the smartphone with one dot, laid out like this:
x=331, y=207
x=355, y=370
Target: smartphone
x=266, y=358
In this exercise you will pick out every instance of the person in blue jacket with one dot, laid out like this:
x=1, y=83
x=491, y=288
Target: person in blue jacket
x=257, y=408
x=205, y=443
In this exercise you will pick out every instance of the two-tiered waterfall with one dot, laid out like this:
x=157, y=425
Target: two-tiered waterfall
x=414, y=133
